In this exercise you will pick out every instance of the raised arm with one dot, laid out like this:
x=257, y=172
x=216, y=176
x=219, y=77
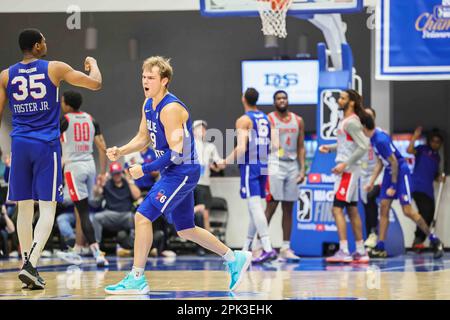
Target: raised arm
x=173, y=117
x=3, y=95
x=60, y=71
x=139, y=142
x=416, y=135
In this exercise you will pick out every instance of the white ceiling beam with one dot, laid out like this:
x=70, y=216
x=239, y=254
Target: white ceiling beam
x=23, y=6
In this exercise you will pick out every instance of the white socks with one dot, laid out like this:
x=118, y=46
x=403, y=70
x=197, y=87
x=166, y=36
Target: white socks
x=95, y=249
x=259, y=219
x=229, y=256
x=43, y=229
x=286, y=245
x=137, y=272
x=25, y=226
x=248, y=245
x=267, y=246
x=251, y=232
x=343, y=245
x=360, y=247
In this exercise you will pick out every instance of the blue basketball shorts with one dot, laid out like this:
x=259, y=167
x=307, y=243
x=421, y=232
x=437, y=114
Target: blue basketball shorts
x=36, y=172
x=253, y=180
x=172, y=196
x=402, y=188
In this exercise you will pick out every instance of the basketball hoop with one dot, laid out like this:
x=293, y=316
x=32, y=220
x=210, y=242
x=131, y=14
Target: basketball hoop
x=273, y=16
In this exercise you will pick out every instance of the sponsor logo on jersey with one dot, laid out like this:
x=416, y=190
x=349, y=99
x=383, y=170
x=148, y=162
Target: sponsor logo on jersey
x=161, y=197
x=31, y=70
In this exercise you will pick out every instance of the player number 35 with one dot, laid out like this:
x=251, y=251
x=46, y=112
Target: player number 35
x=34, y=88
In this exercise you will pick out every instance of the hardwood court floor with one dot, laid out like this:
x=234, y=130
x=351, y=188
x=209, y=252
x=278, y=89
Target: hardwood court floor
x=408, y=277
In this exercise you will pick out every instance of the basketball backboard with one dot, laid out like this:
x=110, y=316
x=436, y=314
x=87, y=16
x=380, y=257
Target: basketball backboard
x=217, y=8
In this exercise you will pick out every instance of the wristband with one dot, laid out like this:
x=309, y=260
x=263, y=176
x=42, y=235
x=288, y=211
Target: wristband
x=168, y=158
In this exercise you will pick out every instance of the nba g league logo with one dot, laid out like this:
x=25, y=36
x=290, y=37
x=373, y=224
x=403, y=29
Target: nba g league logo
x=304, y=206
x=329, y=114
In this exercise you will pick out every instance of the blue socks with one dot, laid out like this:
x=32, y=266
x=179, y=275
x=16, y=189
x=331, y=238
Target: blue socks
x=380, y=246
x=432, y=238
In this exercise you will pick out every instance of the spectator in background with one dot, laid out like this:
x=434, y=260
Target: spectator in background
x=208, y=158
x=426, y=171
x=119, y=194
x=67, y=220
x=10, y=205
x=4, y=162
x=66, y=224
x=6, y=230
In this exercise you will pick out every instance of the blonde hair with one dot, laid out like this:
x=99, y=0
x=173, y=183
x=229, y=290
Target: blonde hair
x=165, y=69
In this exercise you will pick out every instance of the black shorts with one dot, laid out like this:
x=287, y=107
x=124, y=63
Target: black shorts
x=342, y=204
x=202, y=195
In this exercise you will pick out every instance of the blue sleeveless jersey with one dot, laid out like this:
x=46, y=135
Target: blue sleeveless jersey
x=158, y=136
x=34, y=102
x=384, y=148
x=258, y=146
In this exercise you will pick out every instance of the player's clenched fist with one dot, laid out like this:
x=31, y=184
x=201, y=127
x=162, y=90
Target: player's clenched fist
x=113, y=153
x=88, y=63
x=136, y=172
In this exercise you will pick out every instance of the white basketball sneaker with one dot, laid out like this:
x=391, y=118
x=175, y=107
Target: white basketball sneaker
x=371, y=241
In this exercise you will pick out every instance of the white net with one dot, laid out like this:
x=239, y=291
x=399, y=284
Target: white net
x=273, y=16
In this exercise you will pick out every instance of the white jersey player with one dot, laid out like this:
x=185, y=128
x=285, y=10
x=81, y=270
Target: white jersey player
x=79, y=131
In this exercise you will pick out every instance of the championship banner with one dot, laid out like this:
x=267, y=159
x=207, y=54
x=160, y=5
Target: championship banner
x=413, y=40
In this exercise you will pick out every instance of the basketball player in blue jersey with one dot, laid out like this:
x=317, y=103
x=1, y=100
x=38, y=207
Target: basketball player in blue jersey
x=395, y=185
x=31, y=86
x=166, y=124
x=252, y=151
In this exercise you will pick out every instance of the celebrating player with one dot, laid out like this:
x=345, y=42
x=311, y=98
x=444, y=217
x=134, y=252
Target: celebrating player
x=166, y=124
x=31, y=86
